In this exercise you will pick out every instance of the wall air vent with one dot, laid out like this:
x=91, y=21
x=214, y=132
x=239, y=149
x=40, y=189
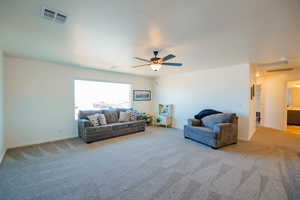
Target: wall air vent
x=60, y=18
x=280, y=70
x=53, y=15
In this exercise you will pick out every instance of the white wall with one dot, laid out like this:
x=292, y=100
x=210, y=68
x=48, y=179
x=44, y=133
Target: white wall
x=2, y=138
x=252, y=109
x=39, y=99
x=225, y=89
x=274, y=98
x=258, y=97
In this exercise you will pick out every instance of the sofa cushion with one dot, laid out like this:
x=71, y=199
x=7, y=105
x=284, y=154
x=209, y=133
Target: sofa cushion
x=124, y=116
x=119, y=125
x=205, y=113
x=135, y=123
x=99, y=129
x=211, y=120
x=83, y=114
x=203, y=131
x=111, y=116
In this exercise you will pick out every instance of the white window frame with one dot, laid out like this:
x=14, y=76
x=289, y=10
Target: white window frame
x=103, y=81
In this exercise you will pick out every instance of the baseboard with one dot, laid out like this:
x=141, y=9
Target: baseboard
x=40, y=142
x=251, y=135
x=2, y=156
x=243, y=139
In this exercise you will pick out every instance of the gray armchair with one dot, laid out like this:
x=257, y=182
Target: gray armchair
x=213, y=132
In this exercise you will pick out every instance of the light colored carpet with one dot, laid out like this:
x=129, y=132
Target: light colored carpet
x=157, y=164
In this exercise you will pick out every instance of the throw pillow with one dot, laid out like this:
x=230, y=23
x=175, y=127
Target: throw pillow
x=94, y=119
x=122, y=110
x=211, y=120
x=205, y=113
x=124, y=117
x=102, y=119
x=111, y=116
x=132, y=115
x=196, y=122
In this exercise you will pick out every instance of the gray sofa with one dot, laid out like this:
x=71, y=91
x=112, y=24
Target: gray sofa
x=213, y=133
x=89, y=133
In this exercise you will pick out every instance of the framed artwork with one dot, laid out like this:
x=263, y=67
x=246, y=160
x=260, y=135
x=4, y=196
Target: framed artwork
x=141, y=95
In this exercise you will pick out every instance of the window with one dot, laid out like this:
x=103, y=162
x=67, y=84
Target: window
x=92, y=95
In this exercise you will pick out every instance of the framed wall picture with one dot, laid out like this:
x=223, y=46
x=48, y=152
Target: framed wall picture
x=141, y=95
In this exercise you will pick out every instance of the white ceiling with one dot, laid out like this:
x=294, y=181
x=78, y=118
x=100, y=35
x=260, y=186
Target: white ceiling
x=106, y=34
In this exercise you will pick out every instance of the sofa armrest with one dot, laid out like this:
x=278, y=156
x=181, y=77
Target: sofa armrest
x=85, y=122
x=221, y=127
x=194, y=122
x=226, y=133
x=82, y=124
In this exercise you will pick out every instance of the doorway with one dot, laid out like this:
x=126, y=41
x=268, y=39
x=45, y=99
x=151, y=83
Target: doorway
x=258, y=105
x=293, y=107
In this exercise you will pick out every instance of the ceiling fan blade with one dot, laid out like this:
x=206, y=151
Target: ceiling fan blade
x=141, y=59
x=168, y=57
x=173, y=64
x=140, y=65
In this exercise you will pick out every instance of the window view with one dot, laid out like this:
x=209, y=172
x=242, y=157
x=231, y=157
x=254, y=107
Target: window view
x=91, y=95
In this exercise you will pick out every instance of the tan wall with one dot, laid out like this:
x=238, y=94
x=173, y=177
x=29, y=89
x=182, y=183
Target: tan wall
x=295, y=97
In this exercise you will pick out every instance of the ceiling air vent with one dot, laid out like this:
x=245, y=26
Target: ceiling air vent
x=60, y=18
x=280, y=70
x=53, y=15
x=48, y=14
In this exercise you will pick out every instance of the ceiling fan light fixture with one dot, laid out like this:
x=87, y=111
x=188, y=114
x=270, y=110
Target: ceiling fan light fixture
x=156, y=63
x=155, y=67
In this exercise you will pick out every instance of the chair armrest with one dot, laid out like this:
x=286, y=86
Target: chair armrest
x=82, y=124
x=226, y=132
x=221, y=127
x=194, y=122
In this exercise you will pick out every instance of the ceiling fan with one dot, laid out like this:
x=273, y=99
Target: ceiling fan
x=155, y=63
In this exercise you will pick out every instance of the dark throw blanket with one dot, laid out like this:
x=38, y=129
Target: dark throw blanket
x=205, y=113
